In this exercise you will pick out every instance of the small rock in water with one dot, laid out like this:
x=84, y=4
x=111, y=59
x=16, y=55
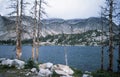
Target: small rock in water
x=87, y=72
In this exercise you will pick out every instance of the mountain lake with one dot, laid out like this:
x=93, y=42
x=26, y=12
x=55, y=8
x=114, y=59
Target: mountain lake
x=85, y=58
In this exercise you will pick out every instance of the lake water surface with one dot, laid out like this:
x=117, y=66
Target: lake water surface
x=80, y=57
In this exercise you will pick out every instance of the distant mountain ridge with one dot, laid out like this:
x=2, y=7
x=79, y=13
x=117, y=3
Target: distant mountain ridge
x=50, y=26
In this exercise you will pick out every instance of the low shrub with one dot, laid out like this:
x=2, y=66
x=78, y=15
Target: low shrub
x=30, y=64
x=77, y=73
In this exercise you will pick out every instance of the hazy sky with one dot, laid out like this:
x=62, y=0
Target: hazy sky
x=74, y=8
x=66, y=9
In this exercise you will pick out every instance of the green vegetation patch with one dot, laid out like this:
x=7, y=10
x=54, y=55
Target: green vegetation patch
x=105, y=74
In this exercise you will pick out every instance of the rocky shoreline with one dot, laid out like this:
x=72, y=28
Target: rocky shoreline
x=39, y=70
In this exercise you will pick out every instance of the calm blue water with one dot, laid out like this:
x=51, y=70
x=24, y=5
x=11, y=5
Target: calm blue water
x=80, y=57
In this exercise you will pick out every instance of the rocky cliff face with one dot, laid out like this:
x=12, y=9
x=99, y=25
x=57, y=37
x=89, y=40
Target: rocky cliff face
x=50, y=26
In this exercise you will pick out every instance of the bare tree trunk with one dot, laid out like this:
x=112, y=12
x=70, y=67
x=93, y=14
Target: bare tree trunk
x=110, y=68
x=21, y=14
x=34, y=30
x=18, y=41
x=65, y=51
x=38, y=33
x=37, y=52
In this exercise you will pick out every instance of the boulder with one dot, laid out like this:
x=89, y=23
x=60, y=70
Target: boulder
x=46, y=65
x=1, y=59
x=63, y=70
x=34, y=70
x=7, y=62
x=28, y=74
x=49, y=65
x=44, y=72
x=19, y=64
x=60, y=72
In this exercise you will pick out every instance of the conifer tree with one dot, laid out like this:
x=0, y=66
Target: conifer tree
x=102, y=43
x=109, y=14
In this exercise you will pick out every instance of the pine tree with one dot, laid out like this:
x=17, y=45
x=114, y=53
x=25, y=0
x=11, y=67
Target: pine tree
x=119, y=51
x=110, y=68
x=109, y=13
x=102, y=43
x=118, y=18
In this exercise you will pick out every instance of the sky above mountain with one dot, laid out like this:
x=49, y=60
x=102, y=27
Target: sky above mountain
x=66, y=9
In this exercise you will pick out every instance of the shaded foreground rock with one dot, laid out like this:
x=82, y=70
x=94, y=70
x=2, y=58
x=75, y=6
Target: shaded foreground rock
x=44, y=72
x=87, y=74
